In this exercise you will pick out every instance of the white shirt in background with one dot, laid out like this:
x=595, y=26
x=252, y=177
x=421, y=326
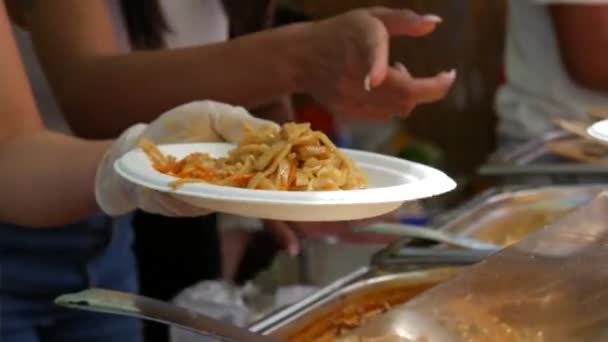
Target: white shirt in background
x=194, y=22
x=538, y=86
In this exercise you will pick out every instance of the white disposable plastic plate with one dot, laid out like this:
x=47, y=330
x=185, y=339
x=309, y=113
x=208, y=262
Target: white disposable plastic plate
x=599, y=130
x=392, y=182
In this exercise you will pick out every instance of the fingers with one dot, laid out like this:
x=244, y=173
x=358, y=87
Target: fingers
x=378, y=43
x=200, y=121
x=396, y=22
x=400, y=93
x=287, y=238
x=410, y=91
x=229, y=122
x=401, y=68
x=405, y=22
x=431, y=89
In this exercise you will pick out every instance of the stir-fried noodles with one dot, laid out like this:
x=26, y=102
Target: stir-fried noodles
x=295, y=158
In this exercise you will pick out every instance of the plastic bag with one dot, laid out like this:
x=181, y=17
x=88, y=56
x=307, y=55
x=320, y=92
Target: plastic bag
x=216, y=299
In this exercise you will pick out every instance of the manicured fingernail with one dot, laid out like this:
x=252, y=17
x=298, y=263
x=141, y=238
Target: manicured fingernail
x=399, y=66
x=293, y=251
x=432, y=18
x=450, y=74
x=367, y=83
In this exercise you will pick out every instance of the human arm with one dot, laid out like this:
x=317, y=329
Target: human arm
x=46, y=178
x=49, y=179
x=582, y=34
x=328, y=59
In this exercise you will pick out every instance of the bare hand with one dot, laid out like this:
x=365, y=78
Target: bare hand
x=344, y=65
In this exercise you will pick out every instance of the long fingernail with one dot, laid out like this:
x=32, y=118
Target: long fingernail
x=367, y=83
x=450, y=74
x=432, y=18
x=399, y=66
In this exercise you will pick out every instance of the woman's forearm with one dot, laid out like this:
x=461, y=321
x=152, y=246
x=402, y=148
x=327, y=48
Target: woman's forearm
x=119, y=90
x=47, y=179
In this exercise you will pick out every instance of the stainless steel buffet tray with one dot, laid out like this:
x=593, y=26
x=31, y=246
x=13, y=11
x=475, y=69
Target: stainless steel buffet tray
x=500, y=215
x=346, y=307
x=532, y=163
x=503, y=217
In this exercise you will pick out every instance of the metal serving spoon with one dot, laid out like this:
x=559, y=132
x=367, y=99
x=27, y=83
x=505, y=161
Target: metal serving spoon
x=127, y=304
x=429, y=234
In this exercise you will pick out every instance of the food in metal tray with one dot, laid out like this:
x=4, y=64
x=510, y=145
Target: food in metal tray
x=295, y=158
x=387, y=338
x=581, y=147
x=337, y=323
x=507, y=230
x=504, y=216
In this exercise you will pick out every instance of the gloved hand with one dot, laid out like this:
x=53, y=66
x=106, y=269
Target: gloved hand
x=202, y=121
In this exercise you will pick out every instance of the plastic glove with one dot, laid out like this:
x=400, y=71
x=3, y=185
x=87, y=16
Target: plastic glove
x=202, y=121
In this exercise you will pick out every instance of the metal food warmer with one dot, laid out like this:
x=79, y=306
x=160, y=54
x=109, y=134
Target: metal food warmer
x=534, y=163
x=500, y=215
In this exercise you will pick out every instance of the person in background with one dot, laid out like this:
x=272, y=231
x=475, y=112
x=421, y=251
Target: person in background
x=556, y=53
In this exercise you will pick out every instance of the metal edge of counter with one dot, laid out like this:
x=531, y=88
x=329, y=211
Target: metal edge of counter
x=320, y=306
x=495, y=195
x=460, y=213
x=288, y=314
x=520, y=161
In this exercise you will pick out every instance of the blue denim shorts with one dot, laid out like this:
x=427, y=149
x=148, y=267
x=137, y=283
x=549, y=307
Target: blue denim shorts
x=37, y=265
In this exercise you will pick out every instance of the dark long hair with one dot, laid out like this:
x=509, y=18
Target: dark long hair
x=146, y=23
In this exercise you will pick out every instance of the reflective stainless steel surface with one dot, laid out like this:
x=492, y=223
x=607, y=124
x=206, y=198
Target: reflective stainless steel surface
x=288, y=314
x=532, y=163
x=505, y=217
x=411, y=258
x=550, y=286
x=126, y=304
x=365, y=297
x=428, y=233
x=499, y=216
